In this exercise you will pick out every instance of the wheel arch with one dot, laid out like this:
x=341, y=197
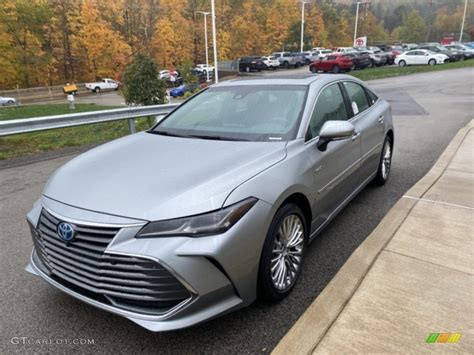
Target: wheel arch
x=303, y=203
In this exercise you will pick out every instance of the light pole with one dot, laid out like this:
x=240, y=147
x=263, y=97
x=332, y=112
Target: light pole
x=205, y=41
x=214, y=40
x=303, y=2
x=357, y=18
x=463, y=20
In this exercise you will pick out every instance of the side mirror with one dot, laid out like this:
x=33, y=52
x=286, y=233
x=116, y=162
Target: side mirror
x=334, y=131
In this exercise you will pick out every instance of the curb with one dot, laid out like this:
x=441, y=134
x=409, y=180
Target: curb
x=313, y=325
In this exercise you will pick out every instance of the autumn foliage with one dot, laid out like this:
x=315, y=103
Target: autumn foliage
x=46, y=42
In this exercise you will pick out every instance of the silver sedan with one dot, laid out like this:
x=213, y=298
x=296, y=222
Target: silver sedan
x=215, y=205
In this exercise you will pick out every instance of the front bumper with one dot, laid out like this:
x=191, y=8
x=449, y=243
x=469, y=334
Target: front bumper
x=220, y=272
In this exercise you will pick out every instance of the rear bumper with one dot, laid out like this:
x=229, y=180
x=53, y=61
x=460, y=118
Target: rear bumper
x=220, y=272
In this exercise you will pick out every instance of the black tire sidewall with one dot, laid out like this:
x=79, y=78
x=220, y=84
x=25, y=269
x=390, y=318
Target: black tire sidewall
x=266, y=291
x=379, y=179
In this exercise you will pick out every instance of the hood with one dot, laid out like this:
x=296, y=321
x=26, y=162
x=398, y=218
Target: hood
x=152, y=177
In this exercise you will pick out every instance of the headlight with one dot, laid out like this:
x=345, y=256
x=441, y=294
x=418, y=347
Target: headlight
x=215, y=222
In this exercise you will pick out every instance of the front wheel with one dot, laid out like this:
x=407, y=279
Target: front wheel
x=385, y=163
x=282, y=255
x=314, y=70
x=402, y=63
x=97, y=90
x=432, y=62
x=247, y=69
x=336, y=69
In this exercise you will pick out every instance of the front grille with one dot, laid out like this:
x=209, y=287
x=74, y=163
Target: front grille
x=132, y=283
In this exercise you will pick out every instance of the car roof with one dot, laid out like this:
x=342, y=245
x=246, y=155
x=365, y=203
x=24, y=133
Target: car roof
x=298, y=79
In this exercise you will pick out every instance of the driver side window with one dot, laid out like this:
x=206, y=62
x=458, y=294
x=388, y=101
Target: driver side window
x=329, y=107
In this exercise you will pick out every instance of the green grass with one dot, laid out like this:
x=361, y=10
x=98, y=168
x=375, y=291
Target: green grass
x=30, y=143
x=387, y=72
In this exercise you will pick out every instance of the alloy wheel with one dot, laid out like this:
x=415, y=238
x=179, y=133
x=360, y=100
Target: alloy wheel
x=287, y=253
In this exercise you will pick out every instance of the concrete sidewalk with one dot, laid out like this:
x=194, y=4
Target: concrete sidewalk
x=411, y=277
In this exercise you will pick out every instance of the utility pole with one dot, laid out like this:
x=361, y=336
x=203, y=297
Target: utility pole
x=357, y=18
x=205, y=41
x=214, y=40
x=463, y=20
x=303, y=2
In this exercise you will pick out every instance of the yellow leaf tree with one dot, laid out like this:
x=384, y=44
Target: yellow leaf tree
x=102, y=49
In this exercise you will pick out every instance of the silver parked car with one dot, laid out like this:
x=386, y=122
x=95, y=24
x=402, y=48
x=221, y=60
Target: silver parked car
x=216, y=204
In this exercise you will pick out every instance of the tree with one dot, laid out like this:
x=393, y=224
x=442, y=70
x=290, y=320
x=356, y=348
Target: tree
x=24, y=23
x=104, y=51
x=141, y=83
x=413, y=28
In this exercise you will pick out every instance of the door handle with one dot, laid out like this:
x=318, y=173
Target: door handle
x=355, y=136
x=381, y=118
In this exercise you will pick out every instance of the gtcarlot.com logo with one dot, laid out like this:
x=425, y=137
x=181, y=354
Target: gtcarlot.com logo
x=443, y=338
x=46, y=341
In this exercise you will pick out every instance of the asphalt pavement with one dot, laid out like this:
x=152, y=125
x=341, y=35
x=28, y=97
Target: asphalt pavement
x=429, y=109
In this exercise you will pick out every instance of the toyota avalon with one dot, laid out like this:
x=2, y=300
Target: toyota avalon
x=215, y=205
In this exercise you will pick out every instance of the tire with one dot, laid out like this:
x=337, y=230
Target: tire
x=432, y=62
x=385, y=163
x=313, y=69
x=97, y=89
x=402, y=63
x=10, y=102
x=286, y=65
x=273, y=286
x=247, y=69
x=307, y=61
x=336, y=69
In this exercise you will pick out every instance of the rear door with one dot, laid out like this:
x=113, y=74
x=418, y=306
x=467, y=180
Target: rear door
x=334, y=172
x=368, y=117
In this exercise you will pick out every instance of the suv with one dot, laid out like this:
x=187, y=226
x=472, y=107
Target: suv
x=300, y=59
x=360, y=60
x=286, y=59
x=248, y=64
x=270, y=62
x=335, y=62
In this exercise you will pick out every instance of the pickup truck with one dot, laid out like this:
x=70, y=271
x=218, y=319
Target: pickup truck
x=105, y=84
x=286, y=59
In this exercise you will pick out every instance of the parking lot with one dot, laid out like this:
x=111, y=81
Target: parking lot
x=428, y=110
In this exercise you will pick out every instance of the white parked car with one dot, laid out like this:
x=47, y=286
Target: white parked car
x=271, y=62
x=164, y=74
x=321, y=53
x=203, y=68
x=105, y=84
x=5, y=101
x=420, y=56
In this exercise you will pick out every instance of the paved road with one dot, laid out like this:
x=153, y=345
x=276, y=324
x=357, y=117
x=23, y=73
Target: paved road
x=431, y=108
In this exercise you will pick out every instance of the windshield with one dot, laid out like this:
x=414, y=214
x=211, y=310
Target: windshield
x=251, y=112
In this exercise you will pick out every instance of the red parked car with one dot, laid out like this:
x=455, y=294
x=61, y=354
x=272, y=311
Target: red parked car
x=334, y=62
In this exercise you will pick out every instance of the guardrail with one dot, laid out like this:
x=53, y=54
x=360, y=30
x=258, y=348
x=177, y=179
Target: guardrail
x=11, y=127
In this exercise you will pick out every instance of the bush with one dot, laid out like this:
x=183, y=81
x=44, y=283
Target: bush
x=142, y=85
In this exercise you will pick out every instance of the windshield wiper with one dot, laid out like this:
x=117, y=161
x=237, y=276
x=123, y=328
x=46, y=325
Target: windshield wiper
x=217, y=138
x=169, y=134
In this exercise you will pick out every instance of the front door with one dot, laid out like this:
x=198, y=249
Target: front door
x=335, y=171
